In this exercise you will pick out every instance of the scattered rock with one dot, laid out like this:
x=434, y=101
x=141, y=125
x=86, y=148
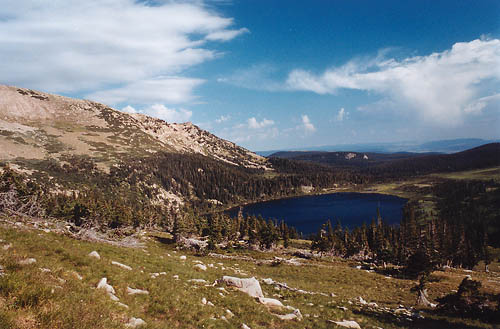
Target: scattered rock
x=125, y=267
x=132, y=291
x=204, y=301
x=200, y=267
x=347, y=324
x=103, y=284
x=198, y=281
x=7, y=246
x=362, y=301
x=135, y=322
x=45, y=270
x=303, y=254
x=182, y=257
x=27, y=261
x=229, y=313
x=249, y=286
x=122, y=305
x=270, y=302
x=77, y=275
x=95, y=254
x=192, y=243
x=244, y=326
x=291, y=316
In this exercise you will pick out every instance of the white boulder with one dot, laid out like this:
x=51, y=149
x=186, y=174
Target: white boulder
x=198, y=281
x=27, y=261
x=270, y=302
x=125, y=267
x=95, y=254
x=132, y=291
x=249, y=286
x=295, y=315
x=103, y=284
x=135, y=322
x=200, y=267
x=347, y=324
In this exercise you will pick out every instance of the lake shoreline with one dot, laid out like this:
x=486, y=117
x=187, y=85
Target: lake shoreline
x=308, y=212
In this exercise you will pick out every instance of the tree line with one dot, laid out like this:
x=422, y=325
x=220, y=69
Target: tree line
x=457, y=233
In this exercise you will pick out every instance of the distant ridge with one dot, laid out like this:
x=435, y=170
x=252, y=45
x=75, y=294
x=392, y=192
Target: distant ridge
x=437, y=146
x=487, y=155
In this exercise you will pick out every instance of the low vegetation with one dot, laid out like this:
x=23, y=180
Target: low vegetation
x=48, y=293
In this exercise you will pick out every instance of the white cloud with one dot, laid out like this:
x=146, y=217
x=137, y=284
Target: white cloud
x=226, y=35
x=168, y=114
x=84, y=46
x=307, y=125
x=478, y=105
x=162, y=112
x=254, y=124
x=439, y=87
x=164, y=90
x=251, y=130
x=223, y=118
x=341, y=115
x=257, y=77
x=129, y=109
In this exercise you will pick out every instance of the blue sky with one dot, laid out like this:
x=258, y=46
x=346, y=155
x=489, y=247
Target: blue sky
x=270, y=74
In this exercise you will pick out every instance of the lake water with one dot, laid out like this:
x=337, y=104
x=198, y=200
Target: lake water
x=308, y=213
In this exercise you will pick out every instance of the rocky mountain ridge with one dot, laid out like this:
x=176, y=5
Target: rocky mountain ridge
x=37, y=125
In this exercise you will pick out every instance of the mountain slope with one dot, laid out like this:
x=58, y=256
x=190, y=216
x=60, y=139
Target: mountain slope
x=35, y=125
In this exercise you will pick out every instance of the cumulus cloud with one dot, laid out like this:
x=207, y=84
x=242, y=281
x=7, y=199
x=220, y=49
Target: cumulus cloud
x=162, y=112
x=226, y=35
x=251, y=130
x=441, y=87
x=84, y=46
x=307, y=125
x=478, y=105
x=222, y=118
x=164, y=89
x=341, y=115
x=254, y=124
x=129, y=109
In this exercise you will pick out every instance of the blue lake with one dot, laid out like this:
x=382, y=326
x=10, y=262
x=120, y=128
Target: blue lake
x=308, y=213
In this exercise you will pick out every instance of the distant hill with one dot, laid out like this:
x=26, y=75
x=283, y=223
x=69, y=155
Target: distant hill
x=396, y=164
x=479, y=157
x=345, y=159
x=439, y=146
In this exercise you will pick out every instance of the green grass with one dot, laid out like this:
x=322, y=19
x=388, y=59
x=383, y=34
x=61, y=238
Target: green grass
x=479, y=174
x=30, y=298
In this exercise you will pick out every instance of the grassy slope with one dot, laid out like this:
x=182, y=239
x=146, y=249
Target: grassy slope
x=29, y=297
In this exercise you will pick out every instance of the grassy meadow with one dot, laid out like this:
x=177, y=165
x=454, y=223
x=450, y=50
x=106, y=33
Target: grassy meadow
x=31, y=296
